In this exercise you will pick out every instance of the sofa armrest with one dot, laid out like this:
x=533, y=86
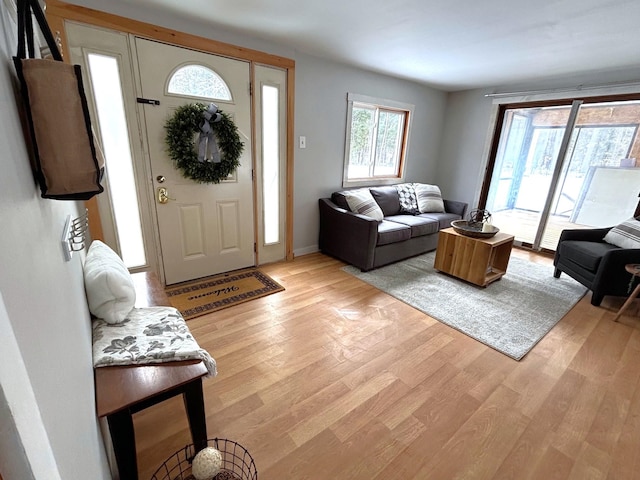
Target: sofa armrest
x=453, y=206
x=349, y=236
x=612, y=273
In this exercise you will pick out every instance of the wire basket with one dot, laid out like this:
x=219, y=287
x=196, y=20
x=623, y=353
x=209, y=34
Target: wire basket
x=237, y=463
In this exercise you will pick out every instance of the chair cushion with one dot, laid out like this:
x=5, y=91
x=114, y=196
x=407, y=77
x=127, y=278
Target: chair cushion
x=419, y=225
x=429, y=198
x=586, y=254
x=625, y=235
x=408, y=199
x=387, y=198
x=392, y=232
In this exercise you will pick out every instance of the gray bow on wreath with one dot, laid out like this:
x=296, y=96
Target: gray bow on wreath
x=207, y=146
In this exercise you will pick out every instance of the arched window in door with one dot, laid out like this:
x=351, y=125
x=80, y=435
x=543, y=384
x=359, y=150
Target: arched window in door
x=198, y=81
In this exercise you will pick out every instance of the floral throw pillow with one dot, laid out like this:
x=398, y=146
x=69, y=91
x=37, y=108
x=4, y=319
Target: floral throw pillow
x=408, y=199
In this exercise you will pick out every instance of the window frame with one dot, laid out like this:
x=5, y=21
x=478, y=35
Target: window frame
x=378, y=104
x=199, y=97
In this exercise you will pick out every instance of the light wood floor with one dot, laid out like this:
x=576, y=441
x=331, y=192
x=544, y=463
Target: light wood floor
x=333, y=379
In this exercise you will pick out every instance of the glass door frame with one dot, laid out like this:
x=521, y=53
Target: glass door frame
x=575, y=104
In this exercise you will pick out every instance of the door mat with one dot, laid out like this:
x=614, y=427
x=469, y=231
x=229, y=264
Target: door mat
x=209, y=294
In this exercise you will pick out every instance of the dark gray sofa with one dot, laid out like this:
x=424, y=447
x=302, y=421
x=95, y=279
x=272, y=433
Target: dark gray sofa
x=366, y=243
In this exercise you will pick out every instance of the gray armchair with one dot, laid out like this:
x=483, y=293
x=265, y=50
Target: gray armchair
x=596, y=264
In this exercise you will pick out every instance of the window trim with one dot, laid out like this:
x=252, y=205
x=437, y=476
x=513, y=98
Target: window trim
x=386, y=104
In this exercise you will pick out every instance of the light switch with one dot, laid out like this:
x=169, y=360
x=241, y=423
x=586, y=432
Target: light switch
x=303, y=142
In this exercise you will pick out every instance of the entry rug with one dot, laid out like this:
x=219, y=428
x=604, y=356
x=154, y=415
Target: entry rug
x=510, y=315
x=215, y=293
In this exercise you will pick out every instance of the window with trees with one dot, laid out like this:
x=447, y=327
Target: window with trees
x=376, y=141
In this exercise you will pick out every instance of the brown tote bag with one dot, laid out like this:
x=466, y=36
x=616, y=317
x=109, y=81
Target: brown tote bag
x=69, y=163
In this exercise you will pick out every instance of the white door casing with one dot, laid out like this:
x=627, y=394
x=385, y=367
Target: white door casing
x=204, y=229
x=275, y=78
x=84, y=40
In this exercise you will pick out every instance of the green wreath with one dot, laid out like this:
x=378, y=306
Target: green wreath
x=181, y=129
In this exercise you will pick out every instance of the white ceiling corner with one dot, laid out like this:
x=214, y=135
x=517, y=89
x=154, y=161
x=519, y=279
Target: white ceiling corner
x=452, y=45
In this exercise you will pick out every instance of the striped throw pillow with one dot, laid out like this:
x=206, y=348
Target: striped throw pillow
x=361, y=201
x=625, y=235
x=429, y=198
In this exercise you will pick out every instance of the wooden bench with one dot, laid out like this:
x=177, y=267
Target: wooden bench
x=123, y=391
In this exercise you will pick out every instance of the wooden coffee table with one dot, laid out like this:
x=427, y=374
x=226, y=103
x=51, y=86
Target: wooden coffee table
x=477, y=260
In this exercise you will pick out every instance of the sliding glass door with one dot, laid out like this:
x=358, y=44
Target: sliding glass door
x=554, y=167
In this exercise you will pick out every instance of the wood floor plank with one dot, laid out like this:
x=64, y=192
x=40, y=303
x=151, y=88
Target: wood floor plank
x=466, y=453
x=553, y=465
x=332, y=378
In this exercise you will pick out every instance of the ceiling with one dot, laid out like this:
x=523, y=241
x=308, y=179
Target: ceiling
x=448, y=44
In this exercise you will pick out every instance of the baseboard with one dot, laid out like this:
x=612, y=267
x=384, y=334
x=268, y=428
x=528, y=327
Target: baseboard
x=305, y=250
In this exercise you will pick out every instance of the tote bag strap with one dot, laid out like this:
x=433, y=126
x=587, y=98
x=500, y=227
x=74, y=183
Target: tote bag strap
x=25, y=30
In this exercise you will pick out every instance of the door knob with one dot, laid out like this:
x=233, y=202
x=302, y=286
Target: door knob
x=163, y=195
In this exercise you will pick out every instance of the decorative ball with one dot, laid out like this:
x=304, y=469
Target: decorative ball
x=206, y=464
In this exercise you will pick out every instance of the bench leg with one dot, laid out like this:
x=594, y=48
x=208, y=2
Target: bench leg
x=124, y=444
x=194, y=405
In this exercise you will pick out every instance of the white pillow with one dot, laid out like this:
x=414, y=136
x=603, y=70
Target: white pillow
x=361, y=201
x=110, y=289
x=429, y=198
x=625, y=235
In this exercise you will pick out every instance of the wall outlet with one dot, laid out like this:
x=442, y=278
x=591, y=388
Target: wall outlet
x=303, y=142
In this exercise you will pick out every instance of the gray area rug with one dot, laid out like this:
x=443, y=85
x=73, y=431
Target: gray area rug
x=510, y=315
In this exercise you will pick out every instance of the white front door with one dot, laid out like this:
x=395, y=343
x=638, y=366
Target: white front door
x=204, y=229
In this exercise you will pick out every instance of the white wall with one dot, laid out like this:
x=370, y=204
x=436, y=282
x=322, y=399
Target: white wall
x=320, y=115
x=466, y=132
x=46, y=311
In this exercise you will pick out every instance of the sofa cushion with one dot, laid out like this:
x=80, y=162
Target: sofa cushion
x=584, y=253
x=419, y=225
x=360, y=201
x=429, y=198
x=625, y=235
x=444, y=219
x=408, y=200
x=340, y=200
x=387, y=198
x=392, y=232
